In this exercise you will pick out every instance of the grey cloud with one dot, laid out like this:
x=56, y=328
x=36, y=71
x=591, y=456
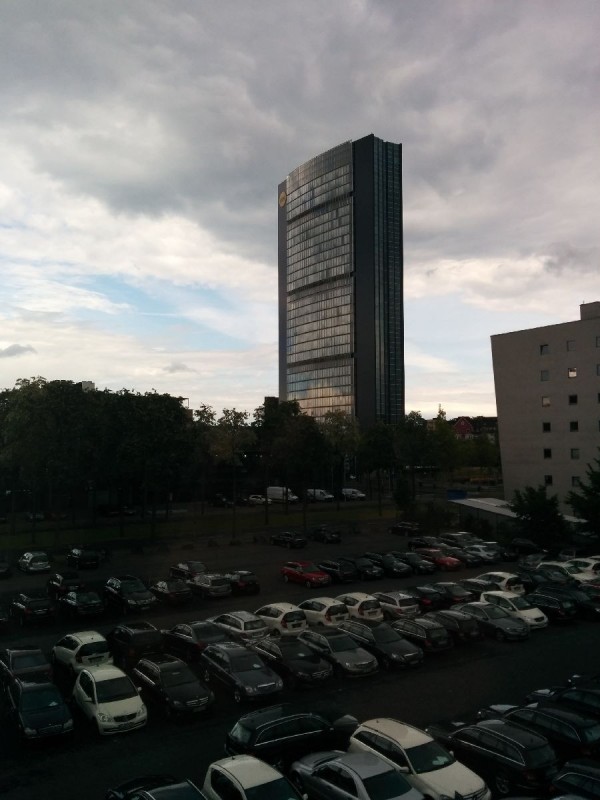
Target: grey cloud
x=177, y=366
x=564, y=257
x=14, y=350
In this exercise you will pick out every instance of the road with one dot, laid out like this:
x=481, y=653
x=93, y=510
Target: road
x=450, y=685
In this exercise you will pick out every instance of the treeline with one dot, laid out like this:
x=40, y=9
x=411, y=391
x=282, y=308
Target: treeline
x=63, y=448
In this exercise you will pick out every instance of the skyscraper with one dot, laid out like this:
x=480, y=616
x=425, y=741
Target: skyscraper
x=341, y=320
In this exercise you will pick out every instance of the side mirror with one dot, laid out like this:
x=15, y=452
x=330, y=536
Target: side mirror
x=403, y=769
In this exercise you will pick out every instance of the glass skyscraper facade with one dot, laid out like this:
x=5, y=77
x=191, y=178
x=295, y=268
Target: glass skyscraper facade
x=341, y=344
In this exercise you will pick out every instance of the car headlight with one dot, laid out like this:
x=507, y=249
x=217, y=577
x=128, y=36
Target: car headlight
x=68, y=725
x=250, y=689
x=29, y=731
x=396, y=657
x=176, y=703
x=103, y=717
x=348, y=664
x=279, y=684
x=141, y=712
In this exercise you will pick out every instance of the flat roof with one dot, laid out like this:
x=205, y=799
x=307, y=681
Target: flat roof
x=494, y=505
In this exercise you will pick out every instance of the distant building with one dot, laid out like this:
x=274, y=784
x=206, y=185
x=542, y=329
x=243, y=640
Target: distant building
x=341, y=320
x=548, y=399
x=463, y=428
x=86, y=386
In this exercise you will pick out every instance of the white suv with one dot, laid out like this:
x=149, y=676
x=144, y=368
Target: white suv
x=427, y=765
x=283, y=619
x=108, y=698
x=326, y=611
x=83, y=649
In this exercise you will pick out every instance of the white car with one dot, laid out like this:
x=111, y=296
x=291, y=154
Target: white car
x=485, y=553
x=324, y=611
x=107, y=697
x=82, y=649
x=506, y=581
x=258, y=500
x=34, y=561
x=567, y=569
x=397, y=605
x=426, y=765
x=361, y=605
x=283, y=619
x=590, y=565
x=517, y=606
x=245, y=778
x=353, y=494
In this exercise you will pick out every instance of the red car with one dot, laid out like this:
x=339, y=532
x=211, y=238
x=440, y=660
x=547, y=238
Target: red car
x=439, y=559
x=304, y=572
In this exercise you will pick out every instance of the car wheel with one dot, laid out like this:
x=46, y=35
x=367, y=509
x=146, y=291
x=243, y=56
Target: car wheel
x=237, y=696
x=499, y=636
x=286, y=578
x=308, y=584
x=502, y=785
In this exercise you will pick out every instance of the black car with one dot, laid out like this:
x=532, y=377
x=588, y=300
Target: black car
x=339, y=571
x=240, y=670
x=453, y=593
x=430, y=636
x=531, y=579
x=557, y=609
x=31, y=607
x=495, y=621
x=172, y=591
x=418, y=565
x=462, y=627
x=81, y=604
x=26, y=662
x=188, y=639
x=384, y=642
x=297, y=664
x=586, y=599
x=155, y=787
x=170, y=683
x=281, y=734
x=128, y=593
x=427, y=596
x=61, y=583
x=128, y=642
x=187, y=569
x=341, y=651
x=323, y=533
x=572, y=735
x=37, y=710
x=243, y=582
x=392, y=567
x=423, y=541
x=580, y=778
x=289, y=539
x=367, y=570
x=583, y=699
x=82, y=558
x=508, y=757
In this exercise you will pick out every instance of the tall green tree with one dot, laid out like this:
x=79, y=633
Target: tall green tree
x=585, y=502
x=342, y=435
x=231, y=437
x=539, y=515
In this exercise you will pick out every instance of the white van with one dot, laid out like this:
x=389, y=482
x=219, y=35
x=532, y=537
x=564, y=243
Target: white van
x=318, y=496
x=278, y=494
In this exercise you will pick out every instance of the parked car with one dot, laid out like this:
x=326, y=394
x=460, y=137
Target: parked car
x=585, y=598
x=34, y=561
x=461, y=627
x=453, y=593
x=258, y=500
x=443, y=562
x=128, y=593
x=582, y=699
x=27, y=662
x=243, y=582
x=241, y=626
x=397, y=604
x=324, y=611
x=188, y=639
x=488, y=553
x=240, y=670
x=387, y=645
x=109, y=700
x=427, y=596
x=60, y=583
x=294, y=661
x=279, y=734
x=478, y=585
x=579, y=778
x=82, y=558
x=304, y=572
x=187, y=569
x=556, y=609
x=466, y=558
x=427, y=765
x=210, y=584
x=402, y=528
x=81, y=604
x=428, y=542
x=505, y=581
x=429, y=635
x=349, y=493
x=172, y=591
x=392, y=567
x=361, y=605
x=128, y=642
x=82, y=649
x=517, y=606
x=339, y=571
x=31, y=607
x=495, y=621
x=319, y=496
x=155, y=787
x=341, y=651
x=289, y=539
x=37, y=710
x=367, y=570
x=170, y=684
x=326, y=534
x=246, y=778
x=418, y=565
x=283, y=619
x=509, y=757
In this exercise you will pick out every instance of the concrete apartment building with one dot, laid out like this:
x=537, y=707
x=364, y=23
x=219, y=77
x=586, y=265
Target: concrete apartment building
x=548, y=399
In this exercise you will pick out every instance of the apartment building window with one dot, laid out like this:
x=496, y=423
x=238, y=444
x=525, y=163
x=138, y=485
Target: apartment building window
x=574, y=426
x=575, y=481
x=548, y=480
x=572, y=399
x=570, y=344
x=545, y=375
x=547, y=452
x=545, y=349
x=575, y=453
x=546, y=401
x=572, y=372
x=546, y=427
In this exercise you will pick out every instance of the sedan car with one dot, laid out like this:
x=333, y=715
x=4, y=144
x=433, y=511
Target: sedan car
x=338, y=776
x=37, y=710
x=453, y=593
x=341, y=651
x=240, y=671
x=443, y=562
x=294, y=661
x=109, y=700
x=34, y=561
x=427, y=634
x=517, y=606
x=367, y=569
x=324, y=611
x=304, y=572
x=389, y=648
x=188, y=639
x=61, y=583
x=289, y=539
x=78, y=650
x=339, y=571
x=81, y=604
x=26, y=661
x=172, y=591
x=128, y=593
x=466, y=559
x=171, y=685
x=392, y=567
x=495, y=621
x=155, y=787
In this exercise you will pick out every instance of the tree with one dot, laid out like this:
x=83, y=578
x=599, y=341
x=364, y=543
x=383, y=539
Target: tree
x=586, y=502
x=232, y=436
x=539, y=516
x=341, y=433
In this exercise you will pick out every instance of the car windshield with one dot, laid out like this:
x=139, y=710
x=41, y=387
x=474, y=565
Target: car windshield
x=115, y=689
x=48, y=697
x=521, y=604
x=85, y=598
x=309, y=568
x=94, y=649
x=29, y=660
x=428, y=757
x=245, y=663
x=254, y=625
x=279, y=789
x=385, y=635
x=133, y=585
x=540, y=756
x=369, y=605
x=386, y=785
x=296, y=650
x=178, y=677
x=339, y=644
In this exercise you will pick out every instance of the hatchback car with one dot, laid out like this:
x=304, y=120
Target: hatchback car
x=82, y=603
x=128, y=642
x=82, y=558
x=361, y=605
x=171, y=685
x=427, y=765
x=304, y=572
x=34, y=561
x=338, y=570
x=245, y=778
x=505, y=581
x=108, y=699
x=172, y=591
x=31, y=607
x=517, y=606
x=289, y=539
x=324, y=611
x=210, y=584
x=495, y=621
x=341, y=651
x=397, y=604
x=429, y=635
x=155, y=787
x=37, y=710
x=241, y=626
x=389, y=648
x=27, y=662
x=297, y=664
x=240, y=671
x=283, y=619
x=279, y=734
x=188, y=639
x=461, y=627
x=60, y=583
x=128, y=593
x=78, y=650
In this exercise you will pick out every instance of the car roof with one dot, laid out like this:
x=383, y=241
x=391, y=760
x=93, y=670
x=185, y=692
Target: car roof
x=229, y=647
x=105, y=672
x=397, y=593
x=138, y=625
x=501, y=593
x=243, y=615
x=515, y=733
x=405, y=735
x=164, y=660
x=360, y=596
x=281, y=606
x=332, y=601
x=247, y=770
x=87, y=636
x=364, y=765
x=24, y=648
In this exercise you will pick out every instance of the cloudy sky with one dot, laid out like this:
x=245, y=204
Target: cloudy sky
x=142, y=141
